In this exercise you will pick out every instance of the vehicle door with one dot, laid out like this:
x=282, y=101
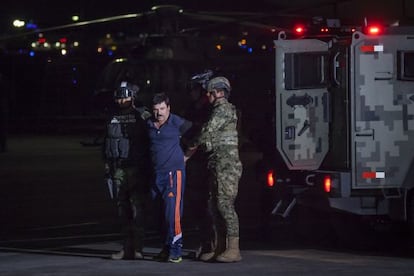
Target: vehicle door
x=302, y=102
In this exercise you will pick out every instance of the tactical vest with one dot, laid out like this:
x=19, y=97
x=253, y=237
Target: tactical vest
x=227, y=135
x=117, y=138
x=126, y=136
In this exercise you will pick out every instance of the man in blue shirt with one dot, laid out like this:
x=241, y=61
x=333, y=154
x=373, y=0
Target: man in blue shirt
x=165, y=130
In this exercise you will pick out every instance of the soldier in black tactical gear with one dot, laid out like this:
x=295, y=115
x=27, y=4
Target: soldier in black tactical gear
x=127, y=164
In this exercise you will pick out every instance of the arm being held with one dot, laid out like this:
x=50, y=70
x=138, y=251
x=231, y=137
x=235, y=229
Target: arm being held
x=189, y=152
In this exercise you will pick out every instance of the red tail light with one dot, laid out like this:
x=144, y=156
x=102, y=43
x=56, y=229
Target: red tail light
x=327, y=183
x=270, y=179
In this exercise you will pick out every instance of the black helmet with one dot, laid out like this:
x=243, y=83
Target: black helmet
x=126, y=90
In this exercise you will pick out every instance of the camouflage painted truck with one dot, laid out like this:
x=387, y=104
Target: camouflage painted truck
x=344, y=125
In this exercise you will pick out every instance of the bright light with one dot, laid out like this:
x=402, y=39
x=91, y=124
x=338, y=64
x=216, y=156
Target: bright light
x=63, y=52
x=76, y=43
x=75, y=18
x=270, y=179
x=18, y=23
x=327, y=183
x=299, y=29
x=374, y=30
x=218, y=47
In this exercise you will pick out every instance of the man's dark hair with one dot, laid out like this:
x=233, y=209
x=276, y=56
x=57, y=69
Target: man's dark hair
x=159, y=98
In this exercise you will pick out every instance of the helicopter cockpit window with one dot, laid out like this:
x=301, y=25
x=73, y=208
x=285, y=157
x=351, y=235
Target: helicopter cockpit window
x=306, y=70
x=406, y=65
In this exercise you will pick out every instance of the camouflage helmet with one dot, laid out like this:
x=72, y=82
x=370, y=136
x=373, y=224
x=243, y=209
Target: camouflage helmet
x=126, y=90
x=220, y=83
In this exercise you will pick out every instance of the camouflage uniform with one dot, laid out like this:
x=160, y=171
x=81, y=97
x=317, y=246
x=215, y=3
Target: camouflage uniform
x=220, y=139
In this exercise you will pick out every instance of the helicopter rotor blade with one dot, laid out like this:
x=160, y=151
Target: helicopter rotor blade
x=78, y=24
x=224, y=20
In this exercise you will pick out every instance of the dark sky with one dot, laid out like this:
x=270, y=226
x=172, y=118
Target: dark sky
x=46, y=13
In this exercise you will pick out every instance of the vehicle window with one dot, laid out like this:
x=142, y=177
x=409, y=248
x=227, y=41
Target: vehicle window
x=406, y=65
x=306, y=70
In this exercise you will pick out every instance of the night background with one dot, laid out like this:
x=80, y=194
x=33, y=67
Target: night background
x=43, y=82
x=57, y=89
x=58, y=78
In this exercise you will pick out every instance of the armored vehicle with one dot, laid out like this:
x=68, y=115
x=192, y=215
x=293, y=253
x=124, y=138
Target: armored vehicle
x=344, y=124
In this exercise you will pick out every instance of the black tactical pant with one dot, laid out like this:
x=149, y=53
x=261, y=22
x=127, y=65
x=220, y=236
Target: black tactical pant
x=132, y=197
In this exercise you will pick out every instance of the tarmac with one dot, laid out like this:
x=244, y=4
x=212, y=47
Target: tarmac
x=56, y=219
x=92, y=259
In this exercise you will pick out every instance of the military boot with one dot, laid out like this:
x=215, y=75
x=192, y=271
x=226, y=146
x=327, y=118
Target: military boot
x=118, y=256
x=207, y=256
x=138, y=238
x=232, y=253
x=121, y=255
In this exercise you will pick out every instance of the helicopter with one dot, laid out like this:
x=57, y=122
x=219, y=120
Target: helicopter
x=160, y=52
x=72, y=70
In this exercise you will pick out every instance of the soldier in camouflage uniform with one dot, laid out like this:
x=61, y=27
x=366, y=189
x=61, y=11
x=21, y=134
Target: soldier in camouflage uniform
x=219, y=137
x=127, y=165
